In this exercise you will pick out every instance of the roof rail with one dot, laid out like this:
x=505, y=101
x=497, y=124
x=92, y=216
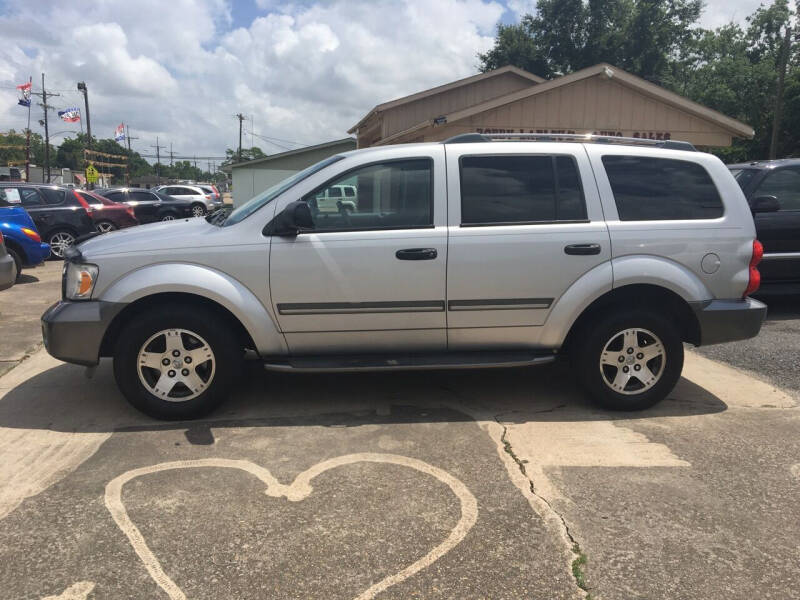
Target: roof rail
x=465, y=138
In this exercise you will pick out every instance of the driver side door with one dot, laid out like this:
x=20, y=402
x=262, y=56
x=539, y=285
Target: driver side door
x=370, y=280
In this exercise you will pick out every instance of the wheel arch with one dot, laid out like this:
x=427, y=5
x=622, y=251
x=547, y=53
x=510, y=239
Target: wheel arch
x=200, y=286
x=17, y=247
x=640, y=296
x=182, y=299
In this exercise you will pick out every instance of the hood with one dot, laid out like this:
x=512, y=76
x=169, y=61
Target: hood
x=167, y=235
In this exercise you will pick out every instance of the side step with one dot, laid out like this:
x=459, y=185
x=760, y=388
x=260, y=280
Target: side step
x=383, y=362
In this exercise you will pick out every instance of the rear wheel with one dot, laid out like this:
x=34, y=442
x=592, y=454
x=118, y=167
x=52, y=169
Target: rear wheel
x=105, y=226
x=198, y=210
x=630, y=360
x=59, y=241
x=176, y=362
x=168, y=217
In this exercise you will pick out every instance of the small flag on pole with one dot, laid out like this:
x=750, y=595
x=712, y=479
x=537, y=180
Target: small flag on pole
x=24, y=94
x=119, y=134
x=70, y=115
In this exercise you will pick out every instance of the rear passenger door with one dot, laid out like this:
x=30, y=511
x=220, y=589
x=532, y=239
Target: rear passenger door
x=524, y=226
x=146, y=205
x=780, y=231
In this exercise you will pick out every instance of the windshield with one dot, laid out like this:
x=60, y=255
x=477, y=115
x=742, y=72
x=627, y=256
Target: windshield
x=268, y=195
x=743, y=176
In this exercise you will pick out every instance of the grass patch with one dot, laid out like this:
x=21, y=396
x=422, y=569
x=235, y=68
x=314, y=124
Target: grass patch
x=577, y=569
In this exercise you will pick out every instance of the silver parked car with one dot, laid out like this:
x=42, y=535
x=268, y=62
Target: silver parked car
x=476, y=252
x=8, y=268
x=203, y=201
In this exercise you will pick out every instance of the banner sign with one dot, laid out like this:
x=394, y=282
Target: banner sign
x=24, y=94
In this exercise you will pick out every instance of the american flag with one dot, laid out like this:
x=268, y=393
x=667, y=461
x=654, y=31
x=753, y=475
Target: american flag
x=24, y=94
x=70, y=115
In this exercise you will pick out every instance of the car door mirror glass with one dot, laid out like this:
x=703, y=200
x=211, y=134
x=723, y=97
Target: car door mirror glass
x=765, y=204
x=293, y=219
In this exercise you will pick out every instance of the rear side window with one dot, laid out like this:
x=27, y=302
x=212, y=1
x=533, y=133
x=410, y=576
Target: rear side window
x=508, y=190
x=141, y=196
x=660, y=189
x=52, y=196
x=116, y=196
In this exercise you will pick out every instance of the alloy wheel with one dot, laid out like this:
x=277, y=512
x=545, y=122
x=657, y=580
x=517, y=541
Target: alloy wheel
x=168, y=218
x=198, y=211
x=176, y=365
x=105, y=226
x=632, y=361
x=60, y=241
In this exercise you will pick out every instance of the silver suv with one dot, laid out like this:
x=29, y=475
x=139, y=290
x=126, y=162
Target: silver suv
x=476, y=252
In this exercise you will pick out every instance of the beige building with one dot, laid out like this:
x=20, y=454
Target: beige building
x=602, y=99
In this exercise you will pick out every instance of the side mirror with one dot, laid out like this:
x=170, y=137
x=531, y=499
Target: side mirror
x=765, y=204
x=293, y=219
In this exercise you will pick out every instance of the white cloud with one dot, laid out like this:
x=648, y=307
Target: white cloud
x=303, y=71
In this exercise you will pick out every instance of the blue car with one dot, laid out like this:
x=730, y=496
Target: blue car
x=23, y=242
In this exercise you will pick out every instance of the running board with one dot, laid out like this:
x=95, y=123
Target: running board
x=449, y=360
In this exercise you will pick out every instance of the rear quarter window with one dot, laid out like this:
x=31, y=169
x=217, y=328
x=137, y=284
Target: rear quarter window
x=660, y=189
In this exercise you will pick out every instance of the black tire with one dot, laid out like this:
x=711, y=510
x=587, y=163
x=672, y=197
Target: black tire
x=227, y=356
x=198, y=210
x=17, y=261
x=591, y=342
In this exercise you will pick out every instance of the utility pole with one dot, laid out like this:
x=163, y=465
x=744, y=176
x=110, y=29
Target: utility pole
x=128, y=139
x=45, y=107
x=170, y=154
x=82, y=88
x=778, y=112
x=240, y=116
x=158, y=160
x=28, y=138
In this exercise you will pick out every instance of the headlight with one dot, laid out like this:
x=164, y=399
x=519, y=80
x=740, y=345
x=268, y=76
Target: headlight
x=79, y=281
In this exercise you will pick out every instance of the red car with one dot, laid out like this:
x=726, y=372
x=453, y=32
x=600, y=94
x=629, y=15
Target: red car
x=106, y=214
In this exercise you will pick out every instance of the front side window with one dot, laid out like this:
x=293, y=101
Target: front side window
x=30, y=197
x=784, y=185
x=509, y=190
x=392, y=195
x=661, y=189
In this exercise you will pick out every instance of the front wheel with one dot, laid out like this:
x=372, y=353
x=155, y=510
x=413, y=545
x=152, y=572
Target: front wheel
x=176, y=362
x=629, y=360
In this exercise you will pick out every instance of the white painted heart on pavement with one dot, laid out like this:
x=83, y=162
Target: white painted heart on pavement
x=298, y=490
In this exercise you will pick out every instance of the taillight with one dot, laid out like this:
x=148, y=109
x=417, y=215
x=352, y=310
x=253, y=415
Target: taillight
x=755, y=277
x=1, y=238
x=31, y=234
x=82, y=202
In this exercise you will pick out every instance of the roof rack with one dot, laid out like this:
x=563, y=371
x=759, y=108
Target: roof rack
x=466, y=138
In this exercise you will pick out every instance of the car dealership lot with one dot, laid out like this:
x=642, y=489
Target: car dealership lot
x=415, y=484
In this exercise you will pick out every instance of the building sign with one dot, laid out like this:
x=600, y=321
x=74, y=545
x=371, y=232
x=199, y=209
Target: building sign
x=649, y=135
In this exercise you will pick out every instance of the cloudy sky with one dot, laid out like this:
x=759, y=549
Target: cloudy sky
x=302, y=72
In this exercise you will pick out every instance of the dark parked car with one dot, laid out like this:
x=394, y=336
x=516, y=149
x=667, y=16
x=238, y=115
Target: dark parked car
x=107, y=214
x=772, y=188
x=59, y=215
x=150, y=206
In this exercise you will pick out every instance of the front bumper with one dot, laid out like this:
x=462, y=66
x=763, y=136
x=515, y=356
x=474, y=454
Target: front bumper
x=74, y=331
x=8, y=271
x=729, y=320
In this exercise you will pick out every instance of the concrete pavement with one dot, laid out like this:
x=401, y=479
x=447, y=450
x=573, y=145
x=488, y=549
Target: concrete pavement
x=464, y=484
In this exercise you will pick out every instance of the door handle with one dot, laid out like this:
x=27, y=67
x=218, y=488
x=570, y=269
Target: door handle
x=417, y=254
x=582, y=249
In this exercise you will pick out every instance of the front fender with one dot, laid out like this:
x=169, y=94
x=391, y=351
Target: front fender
x=208, y=283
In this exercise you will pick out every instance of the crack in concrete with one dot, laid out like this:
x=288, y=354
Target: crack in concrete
x=579, y=561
